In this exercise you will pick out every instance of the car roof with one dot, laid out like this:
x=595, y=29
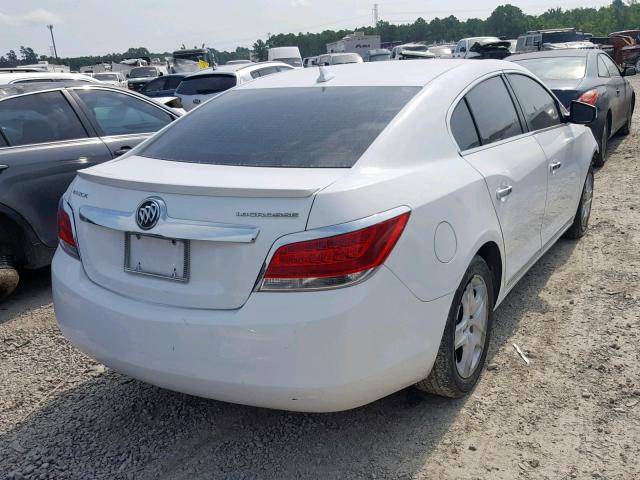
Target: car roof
x=392, y=74
x=235, y=67
x=6, y=77
x=22, y=88
x=564, y=52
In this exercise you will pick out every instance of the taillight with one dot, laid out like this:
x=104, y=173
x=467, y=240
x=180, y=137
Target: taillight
x=590, y=97
x=66, y=236
x=333, y=261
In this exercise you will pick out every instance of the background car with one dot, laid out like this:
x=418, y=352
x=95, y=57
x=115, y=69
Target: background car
x=7, y=78
x=442, y=51
x=396, y=52
x=589, y=76
x=318, y=258
x=164, y=86
x=310, y=62
x=339, y=58
x=378, y=55
x=140, y=76
x=482, y=47
x=117, y=79
x=48, y=132
x=201, y=86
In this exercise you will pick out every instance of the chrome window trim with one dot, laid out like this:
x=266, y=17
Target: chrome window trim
x=169, y=227
x=323, y=232
x=74, y=141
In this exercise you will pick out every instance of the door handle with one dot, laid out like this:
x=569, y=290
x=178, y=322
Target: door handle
x=122, y=150
x=554, y=166
x=3, y=167
x=502, y=192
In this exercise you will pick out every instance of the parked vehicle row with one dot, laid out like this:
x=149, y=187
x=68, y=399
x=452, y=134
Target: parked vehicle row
x=309, y=260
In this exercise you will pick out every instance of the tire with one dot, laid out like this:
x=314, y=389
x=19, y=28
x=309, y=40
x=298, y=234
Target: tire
x=626, y=129
x=449, y=376
x=9, y=279
x=581, y=220
x=600, y=157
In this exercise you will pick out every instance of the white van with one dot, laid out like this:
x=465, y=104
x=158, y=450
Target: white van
x=290, y=55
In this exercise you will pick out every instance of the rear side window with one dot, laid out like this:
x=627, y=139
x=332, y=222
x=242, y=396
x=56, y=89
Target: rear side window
x=462, y=127
x=155, y=85
x=493, y=111
x=206, y=84
x=39, y=118
x=540, y=109
x=173, y=82
x=268, y=128
x=603, y=71
x=611, y=66
x=120, y=114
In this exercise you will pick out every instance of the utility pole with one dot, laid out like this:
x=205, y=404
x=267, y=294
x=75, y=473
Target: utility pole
x=375, y=14
x=55, y=52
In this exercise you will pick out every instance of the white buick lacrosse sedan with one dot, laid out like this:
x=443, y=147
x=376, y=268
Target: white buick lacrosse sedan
x=319, y=239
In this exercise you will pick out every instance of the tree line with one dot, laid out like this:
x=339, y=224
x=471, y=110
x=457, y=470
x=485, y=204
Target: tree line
x=505, y=21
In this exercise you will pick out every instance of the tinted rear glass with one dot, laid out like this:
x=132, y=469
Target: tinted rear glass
x=556, y=68
x=270, y=128
x=206, y=84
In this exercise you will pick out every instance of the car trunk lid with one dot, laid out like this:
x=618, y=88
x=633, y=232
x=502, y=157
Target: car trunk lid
x=229, y=217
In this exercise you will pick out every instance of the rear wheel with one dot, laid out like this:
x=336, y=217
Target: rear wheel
x=9, y=278
x=581, y=220
x=463, y=347
x=601, y=156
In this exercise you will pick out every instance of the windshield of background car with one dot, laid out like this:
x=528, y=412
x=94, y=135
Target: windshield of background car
x=556, y=68
x=379, y=57
x=561, y=37
x=267, y=127
x=141, y=72
x=206, y=84
x=339, y=59
x=294, y=62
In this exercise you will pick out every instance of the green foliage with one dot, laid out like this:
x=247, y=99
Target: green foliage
x=506, y=20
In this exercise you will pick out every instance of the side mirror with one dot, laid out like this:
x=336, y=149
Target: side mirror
x=629, y=72
x=582, y=113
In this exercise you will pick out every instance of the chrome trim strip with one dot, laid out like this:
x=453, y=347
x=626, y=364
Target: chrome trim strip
x=168, y=227
x=323, y=232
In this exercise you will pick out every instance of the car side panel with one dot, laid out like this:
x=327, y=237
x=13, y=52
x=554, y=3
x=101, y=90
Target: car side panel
x=458, y=211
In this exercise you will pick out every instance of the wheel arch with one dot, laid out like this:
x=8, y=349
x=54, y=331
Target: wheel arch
x=20, y=241
x=490, y=253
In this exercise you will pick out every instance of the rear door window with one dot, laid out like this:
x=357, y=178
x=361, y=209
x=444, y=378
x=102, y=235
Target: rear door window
x=267, y=128
x=39, y=118
x=462, y=127
x=539, y=107
x=493, y=110
x=206, y=84
x=603, y=71
x=611, y=66
x=121, y=114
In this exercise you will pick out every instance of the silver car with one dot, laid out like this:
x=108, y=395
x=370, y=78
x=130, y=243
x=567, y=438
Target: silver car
x=201, y=86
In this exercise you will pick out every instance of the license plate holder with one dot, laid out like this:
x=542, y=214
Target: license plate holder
x=158, y=257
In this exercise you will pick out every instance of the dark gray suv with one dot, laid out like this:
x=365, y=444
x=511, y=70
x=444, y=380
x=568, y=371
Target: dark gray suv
x=47, y=133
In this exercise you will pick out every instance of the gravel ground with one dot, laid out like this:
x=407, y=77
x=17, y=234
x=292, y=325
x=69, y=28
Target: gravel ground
x=573, y=412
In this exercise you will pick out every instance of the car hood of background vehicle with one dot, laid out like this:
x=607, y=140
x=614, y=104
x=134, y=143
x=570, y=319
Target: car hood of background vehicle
x=166, y=176
x=484, y=45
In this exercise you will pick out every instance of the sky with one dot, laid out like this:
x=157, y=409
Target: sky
x=97, y=27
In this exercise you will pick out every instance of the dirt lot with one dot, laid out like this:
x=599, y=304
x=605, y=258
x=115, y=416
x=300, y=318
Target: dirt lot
x=574, y=412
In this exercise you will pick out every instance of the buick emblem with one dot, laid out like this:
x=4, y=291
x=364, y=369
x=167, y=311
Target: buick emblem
x=148, y=214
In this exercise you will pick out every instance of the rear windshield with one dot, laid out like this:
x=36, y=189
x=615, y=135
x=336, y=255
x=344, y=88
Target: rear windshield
x=206, y=84
x=143, y=72
x=308, y=127
x=106, y=76
x=556, y=68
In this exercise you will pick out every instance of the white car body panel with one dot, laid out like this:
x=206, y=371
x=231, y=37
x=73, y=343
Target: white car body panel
x=11, y=78
x=330, y=350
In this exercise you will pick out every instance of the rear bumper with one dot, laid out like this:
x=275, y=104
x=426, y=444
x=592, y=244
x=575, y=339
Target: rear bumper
x=319, y=351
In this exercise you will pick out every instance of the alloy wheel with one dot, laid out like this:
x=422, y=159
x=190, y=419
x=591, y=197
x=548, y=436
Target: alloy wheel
x=587, y=199
x=471, y=326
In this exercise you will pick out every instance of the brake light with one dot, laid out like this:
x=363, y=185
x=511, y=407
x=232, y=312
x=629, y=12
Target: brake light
x=590, y=97
x=333, y=261
x=66, y=237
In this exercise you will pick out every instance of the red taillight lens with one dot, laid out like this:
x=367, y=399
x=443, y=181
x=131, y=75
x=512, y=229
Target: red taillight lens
x=333, y=261
x=65, y=231
x=590, y=97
